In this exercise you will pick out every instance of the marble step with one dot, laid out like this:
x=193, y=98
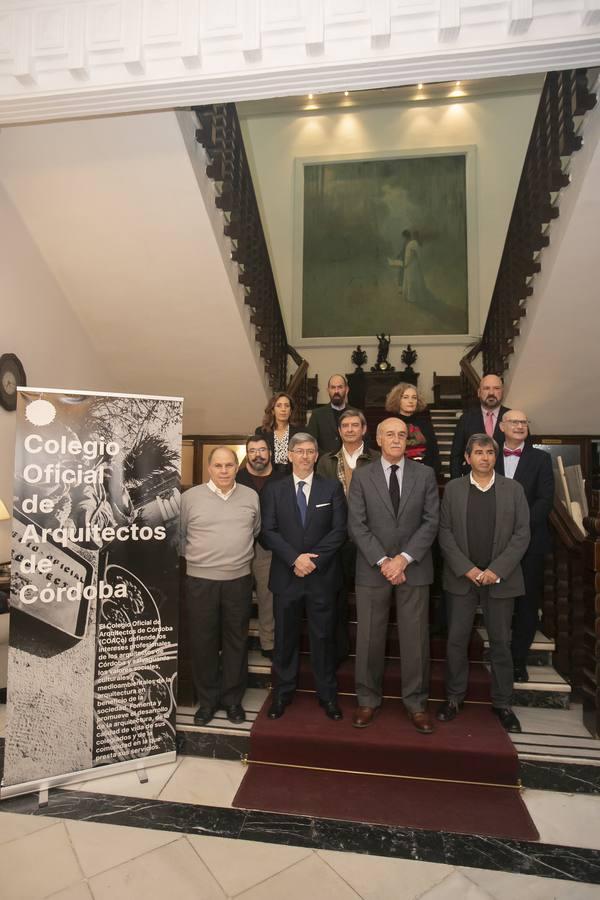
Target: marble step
x=541, y=650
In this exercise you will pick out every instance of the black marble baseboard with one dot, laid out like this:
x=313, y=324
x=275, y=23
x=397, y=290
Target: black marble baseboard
x=575, y=864
x=215, y=746
x=570, y=778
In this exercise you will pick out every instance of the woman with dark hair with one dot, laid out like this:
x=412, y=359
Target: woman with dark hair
x=421, y=445
x=277, y=428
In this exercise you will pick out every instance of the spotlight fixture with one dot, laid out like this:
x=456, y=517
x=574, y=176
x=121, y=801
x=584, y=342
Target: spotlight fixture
x=457, y=83
x=310, y=96
x=345, y=93
x=420, y=86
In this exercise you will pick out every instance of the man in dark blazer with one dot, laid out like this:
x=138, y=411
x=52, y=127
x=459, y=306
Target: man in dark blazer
x=304, y=526
x=533, y=470
x=484, y=533
x=482, y=419
x=324, y=420
x=393, y=520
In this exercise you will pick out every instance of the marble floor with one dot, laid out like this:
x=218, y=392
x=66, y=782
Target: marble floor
x=191, y=843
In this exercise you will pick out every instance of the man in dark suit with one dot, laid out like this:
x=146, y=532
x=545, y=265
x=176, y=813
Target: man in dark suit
x=393, y=520
x=304, y=526
x=482, y=419
x=484, y=533
x=533, y=470
x=324, y=420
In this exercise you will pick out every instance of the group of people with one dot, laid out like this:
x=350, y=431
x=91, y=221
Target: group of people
x=314, y=511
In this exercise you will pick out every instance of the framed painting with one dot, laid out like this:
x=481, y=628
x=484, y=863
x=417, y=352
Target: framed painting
x=385, y=243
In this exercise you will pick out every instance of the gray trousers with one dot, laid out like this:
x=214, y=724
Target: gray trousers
x=260, y=569
x=373, y=611
x=497, y=616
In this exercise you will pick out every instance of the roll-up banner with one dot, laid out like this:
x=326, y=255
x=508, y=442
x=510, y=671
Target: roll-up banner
x=92, y=661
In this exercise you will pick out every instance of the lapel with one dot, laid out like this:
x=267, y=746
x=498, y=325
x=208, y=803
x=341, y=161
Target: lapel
x=409, y=477
x=524, y=463
x=378, y=478
x=316, y=496
x=291, y=492
x=500, y=507
x=461, y=521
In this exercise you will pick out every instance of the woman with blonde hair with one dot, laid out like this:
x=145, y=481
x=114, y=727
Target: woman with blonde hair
x=278, y=426
x=421, y=445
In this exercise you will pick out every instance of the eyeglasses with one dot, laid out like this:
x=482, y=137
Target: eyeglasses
x=516, y=421
x=304, y=452
x=257, y=452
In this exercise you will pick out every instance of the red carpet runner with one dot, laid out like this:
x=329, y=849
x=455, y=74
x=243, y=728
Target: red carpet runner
x=462, y=778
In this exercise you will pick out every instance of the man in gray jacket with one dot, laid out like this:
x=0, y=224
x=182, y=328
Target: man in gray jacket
x=393, y=514
x=484, y=532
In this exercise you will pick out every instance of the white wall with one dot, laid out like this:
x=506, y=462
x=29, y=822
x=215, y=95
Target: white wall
x=114, y=205
x=499, y=127
x=38, y=325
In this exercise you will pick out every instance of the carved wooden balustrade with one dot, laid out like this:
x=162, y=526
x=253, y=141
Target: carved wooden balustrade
x=571, y=607
x=220, y=134
x=565, y=97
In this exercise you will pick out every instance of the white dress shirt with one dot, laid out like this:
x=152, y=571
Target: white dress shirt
x=511, y=462
x=224, y=495
x=351, y=458
x=489, y=485
x=307, y=485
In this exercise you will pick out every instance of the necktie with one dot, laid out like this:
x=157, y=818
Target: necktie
x=489, y=423
x=394, y=488
x=512, y=452
x=301, y=501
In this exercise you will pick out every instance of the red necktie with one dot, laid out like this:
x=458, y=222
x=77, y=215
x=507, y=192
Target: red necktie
x=489, y=423
x=512, y=452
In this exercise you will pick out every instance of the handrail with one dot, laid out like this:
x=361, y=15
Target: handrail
x=220, y=134
x=565, y=96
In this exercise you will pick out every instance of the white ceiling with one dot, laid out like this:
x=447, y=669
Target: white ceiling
x=114, y=207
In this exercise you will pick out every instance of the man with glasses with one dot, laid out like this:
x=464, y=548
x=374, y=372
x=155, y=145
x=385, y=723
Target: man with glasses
x=533, y=470
x=255, y=475
x=304, y=525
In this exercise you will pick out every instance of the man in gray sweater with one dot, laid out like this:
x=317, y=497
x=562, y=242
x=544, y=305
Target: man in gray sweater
x=219, y=524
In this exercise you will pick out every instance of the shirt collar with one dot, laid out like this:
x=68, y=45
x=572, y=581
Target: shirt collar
x=308, y=480
x=494, y=412
x=520, y=447
x=216, y=490
x=352, y=457
x=487, y=487
x=338, y=408
x=386, y=465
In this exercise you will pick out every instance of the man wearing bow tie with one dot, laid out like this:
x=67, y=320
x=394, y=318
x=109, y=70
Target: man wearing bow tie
x=533, y=470
x=304, y=525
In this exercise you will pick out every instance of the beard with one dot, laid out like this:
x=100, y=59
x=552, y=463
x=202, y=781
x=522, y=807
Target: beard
x=337, y=399
x=259, y=465
x=491, y=402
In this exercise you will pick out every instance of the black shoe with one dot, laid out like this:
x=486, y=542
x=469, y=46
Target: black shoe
x=448, y=711
x=278, y=706
x=508, y=720
x=203, y=715
x=520, y=673
x=235, y=713
x=332, y=709
x=268, y=654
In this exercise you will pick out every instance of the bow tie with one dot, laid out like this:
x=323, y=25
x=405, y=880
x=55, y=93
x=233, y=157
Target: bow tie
x=512, y=452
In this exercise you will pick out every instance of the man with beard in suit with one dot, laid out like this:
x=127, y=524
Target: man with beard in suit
x=533, y=470
x=324, y=420
x=304, y=526
x=393, y=520
x=482, y=419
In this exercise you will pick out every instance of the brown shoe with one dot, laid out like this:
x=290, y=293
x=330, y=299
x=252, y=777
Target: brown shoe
x=421, y=721
x=363, y=716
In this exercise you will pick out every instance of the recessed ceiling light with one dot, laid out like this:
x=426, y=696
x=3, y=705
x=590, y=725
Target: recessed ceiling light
x=310, y=96
x=420, y=86
x=345, y=93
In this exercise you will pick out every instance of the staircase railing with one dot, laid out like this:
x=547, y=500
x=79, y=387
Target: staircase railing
x=220, y=134
x=565, y=97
